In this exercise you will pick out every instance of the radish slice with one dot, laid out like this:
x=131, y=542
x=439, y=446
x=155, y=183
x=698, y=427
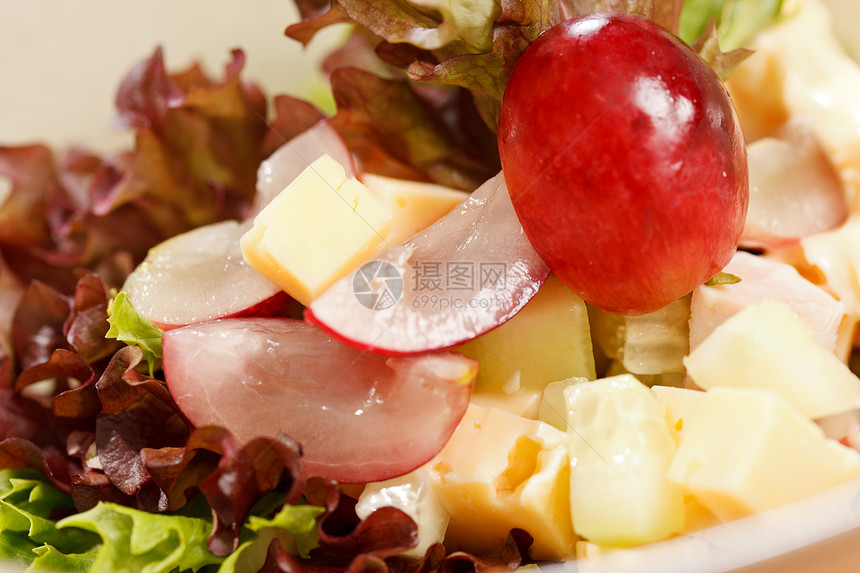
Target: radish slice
x=201, y=275
x=359, y=417
x=467, y=274
x=795, y=190
x=293, y=157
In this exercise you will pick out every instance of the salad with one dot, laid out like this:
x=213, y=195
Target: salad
x=451, y=390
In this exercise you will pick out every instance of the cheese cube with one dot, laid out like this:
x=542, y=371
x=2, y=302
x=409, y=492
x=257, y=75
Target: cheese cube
x=499, y=471
x=681, y=406
x=523, y=402
x=748, y=450
x=415, y=205
x=766, y=345
x=318, y=229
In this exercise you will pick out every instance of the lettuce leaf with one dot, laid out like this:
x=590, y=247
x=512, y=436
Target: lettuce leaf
x=737, y=21
x=27, y=506
x=294, y=525
x=299, y=520
x=50, y=559
x=134, y=329
x=134, y=540
x=472, y=45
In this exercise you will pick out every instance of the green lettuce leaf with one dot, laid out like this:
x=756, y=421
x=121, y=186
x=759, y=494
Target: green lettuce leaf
x=295, y=526
x=127, y=326
x=51, y=559
x=738, y=21
x=299, y=520
x=133, y=540
x=27, y=530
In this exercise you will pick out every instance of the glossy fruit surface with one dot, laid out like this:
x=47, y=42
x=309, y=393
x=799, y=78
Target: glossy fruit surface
x=200, y=275
x=463, y=276
x=359, y=417
x=625, y=161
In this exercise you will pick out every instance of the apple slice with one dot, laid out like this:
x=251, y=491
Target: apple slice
x=201, y=275
x=463, y=276
x=285, y=164
x=795, y=190
x=359, y=417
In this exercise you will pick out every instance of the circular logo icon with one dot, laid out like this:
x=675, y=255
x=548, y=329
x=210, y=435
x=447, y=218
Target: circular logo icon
x=377, y=285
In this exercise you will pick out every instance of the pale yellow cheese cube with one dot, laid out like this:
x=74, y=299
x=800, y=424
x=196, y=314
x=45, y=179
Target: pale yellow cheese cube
x=748, y=450
x=681, y=406
x=318, y=229
x=766, y=345
x=523, y=402
x=415, y=205
x=499, y=471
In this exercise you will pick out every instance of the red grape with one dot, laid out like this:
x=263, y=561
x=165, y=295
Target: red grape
x=625, y=161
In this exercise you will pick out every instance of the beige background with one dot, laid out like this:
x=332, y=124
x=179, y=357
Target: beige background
x=61, y=60
x=60, y=64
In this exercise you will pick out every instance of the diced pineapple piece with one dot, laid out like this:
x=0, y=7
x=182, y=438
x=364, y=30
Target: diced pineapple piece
x=500, y=471
x=414, y=495
x=767, y=346
x=651, y=344
x=415, y=205
x=548, y=340
x=748, y=450
x=765, y=279
x=319, y=228
x=553, y=408
x=620, y=448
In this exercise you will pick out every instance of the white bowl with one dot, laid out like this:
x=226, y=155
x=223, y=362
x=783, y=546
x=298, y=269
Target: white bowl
x=61, y=63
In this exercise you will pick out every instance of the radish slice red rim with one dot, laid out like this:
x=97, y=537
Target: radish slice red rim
x=200, y=275
x=465, y=275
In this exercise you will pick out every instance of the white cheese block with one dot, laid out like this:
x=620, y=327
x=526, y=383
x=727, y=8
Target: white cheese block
x=681, y=405
x=767, y=346
x=523, y=402
x=748, y=450
x=414, y=495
